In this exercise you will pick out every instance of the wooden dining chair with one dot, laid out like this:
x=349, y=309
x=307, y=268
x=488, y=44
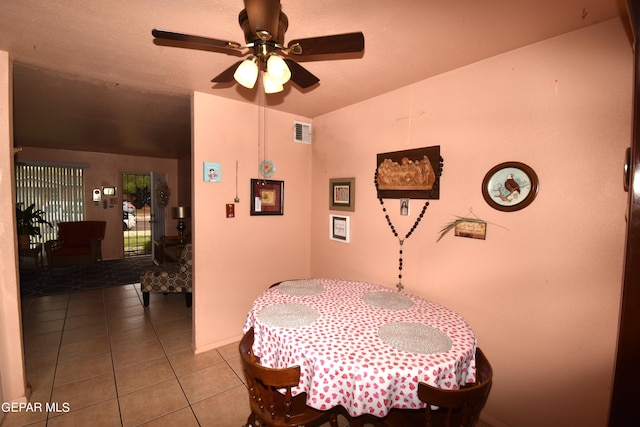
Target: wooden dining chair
x=459, y=408
x=270, y=398
x=449, y=408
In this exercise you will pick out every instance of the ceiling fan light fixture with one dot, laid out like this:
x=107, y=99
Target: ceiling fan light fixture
x=247, y=72
x=270, y=85
x=278, y=69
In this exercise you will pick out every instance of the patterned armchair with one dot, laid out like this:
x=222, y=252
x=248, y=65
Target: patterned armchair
x=165, y=280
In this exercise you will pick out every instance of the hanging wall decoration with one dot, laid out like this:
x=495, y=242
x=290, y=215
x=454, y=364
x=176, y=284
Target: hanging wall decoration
x=412, y=174
x=339, y=228
x=267, y=197
x=510, y=186
x=212, y=172
x=470, y=226
x=342, y=194
x=465, y=227
x=405, y=175
x=162, y=193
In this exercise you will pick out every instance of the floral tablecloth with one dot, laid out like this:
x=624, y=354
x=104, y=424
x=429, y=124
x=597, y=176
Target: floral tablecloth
x=361, y=345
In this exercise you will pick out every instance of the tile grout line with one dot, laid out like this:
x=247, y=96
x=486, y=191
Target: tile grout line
x=113, y=365
x=55, y=369
x=164, y=351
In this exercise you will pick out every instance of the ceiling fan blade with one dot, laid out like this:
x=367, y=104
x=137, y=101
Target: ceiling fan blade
x=195, y=40
x=263, y=15
x=227, y=75
x=300, y=75
x=339, y=43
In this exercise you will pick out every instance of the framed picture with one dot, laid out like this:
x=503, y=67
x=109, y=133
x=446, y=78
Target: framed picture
x=339, y=228
x=471, y=229
x=267, y=197
x=413, y=174
x=342, y=194
x=212, y=172
x=404, y=207
x=510, y=186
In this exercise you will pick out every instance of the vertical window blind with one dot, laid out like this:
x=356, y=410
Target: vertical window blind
x=57, y=190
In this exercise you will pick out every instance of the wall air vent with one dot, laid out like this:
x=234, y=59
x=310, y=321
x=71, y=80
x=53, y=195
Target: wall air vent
x=302, y=132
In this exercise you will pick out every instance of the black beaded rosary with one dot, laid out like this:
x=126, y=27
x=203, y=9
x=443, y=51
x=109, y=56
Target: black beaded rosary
x=395, y=232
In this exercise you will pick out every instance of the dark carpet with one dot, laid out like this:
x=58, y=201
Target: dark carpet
x=76, y=278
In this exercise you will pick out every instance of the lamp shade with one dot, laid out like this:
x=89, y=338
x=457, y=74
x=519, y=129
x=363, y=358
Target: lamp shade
x=247, y=72
x=270, y=86
x=278, y=69
x=180, y=212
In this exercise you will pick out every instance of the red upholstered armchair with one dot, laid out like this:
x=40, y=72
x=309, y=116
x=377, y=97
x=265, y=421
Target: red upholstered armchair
x=78, y=242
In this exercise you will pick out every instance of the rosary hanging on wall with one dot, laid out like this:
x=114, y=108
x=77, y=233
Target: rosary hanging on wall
x=408, y=174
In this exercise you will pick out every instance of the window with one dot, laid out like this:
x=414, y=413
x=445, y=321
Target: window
x=57, y=190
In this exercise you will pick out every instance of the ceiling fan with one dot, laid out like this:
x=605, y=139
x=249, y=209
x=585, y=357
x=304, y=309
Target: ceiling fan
x=264, y=25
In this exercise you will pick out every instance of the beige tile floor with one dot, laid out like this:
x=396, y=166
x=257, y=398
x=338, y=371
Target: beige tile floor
x=105, y=360
x=111, y=362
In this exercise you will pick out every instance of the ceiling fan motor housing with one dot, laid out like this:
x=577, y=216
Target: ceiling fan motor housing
x=250, y=34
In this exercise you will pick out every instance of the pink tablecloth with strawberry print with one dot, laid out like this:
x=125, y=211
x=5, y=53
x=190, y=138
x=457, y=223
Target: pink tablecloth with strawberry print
x=361, y=345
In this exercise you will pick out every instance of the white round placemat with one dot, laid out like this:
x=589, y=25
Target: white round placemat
x=300, y=288
x=414, y=338
x=388, y=300
x=288, y=315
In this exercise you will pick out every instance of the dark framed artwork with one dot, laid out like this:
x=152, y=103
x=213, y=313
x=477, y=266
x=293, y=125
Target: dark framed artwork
x=510, y=186
x=342, y=194
x=267, y=197
x=409, y=174
x=339, y=228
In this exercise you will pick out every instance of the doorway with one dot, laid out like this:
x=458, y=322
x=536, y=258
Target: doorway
x=136, y=214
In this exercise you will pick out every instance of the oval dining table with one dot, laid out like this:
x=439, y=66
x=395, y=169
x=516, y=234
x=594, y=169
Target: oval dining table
x=361, y=345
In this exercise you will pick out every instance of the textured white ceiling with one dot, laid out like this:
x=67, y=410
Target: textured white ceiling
x=88, y=76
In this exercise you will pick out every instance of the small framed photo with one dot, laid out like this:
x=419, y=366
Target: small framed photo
x=267, y=197
x=342, y=194
x=510, y=186
x=212, y=172
x=339, y=228
x=404, y=207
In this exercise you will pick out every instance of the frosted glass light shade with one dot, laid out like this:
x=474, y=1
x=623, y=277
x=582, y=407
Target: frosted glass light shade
x=247, y=72
x=278, y=69
x=270, y=86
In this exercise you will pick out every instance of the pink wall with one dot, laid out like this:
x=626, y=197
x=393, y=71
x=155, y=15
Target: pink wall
x=235, y=259
x=542, y=294
x=106, y=170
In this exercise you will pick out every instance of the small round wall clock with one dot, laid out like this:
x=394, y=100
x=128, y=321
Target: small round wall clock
x=510, y=186
x=267, y=168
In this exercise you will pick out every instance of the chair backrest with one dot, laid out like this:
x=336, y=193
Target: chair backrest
x=459, y=408
x=80, y=233
x=267, y=403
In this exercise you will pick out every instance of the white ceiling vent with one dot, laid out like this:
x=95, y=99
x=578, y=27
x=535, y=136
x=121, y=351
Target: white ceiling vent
x=302, y=132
